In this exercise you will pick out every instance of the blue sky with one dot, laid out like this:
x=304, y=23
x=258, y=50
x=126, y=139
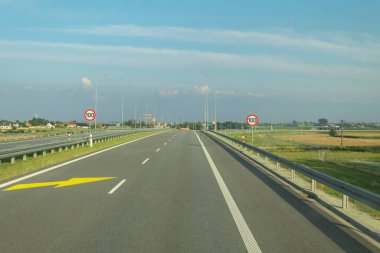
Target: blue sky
x=283, y=60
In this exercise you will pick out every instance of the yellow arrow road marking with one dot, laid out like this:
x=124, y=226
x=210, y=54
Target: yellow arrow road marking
x=72, y=181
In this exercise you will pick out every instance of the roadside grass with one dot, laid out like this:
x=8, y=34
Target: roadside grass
x=20, y=167
x=359, y=166
x=38, y=135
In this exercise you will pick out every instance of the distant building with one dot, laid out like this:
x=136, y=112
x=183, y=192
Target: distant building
x=83, y=125
x=72, y=124
x=6, y=127
x=329, y=127
x=50, y=125
x=77, y=124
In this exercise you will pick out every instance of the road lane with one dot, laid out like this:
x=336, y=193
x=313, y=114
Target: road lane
x=281, y=221
x=170, y=204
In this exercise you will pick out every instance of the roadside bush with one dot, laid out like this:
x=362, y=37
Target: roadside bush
x=332, y=132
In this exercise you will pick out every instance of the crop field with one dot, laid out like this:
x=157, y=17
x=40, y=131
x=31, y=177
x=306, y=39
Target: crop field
x=357, y=162
x=354, y=140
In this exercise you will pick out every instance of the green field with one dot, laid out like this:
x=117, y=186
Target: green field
x=357, y=165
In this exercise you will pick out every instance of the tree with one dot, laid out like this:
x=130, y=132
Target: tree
x=38, y=122
x=332, y=132
x=323, y=122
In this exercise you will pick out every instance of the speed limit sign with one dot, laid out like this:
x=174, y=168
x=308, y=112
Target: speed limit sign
x=89, y=114
x=252, y=120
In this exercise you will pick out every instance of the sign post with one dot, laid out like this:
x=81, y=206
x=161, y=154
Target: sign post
x=252, y=120
x=90, y=115
x=154, y=122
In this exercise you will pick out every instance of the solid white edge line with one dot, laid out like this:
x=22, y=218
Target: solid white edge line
x=69, y=162
x=158, y=149
x=246, y=234
x=145, y=161
x=165, y=144
x=117, y=186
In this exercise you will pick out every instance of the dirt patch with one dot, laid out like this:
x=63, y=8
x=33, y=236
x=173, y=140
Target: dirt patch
x=325, y=139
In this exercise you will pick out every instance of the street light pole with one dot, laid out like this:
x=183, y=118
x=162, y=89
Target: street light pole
x=207, y=111
x=135, y=114
x=341, y=134
x=216, y=122
x=96, y=102
x=122, y=110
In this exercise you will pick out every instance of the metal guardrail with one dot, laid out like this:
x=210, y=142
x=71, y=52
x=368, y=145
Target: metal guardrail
x=12, y=154
x=369, y=198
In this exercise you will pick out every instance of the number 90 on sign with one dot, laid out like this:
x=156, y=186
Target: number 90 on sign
x=89, y=114
x=252, y=120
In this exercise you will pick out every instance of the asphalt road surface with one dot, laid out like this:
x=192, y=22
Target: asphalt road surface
x=171, y=192
x=9, y=145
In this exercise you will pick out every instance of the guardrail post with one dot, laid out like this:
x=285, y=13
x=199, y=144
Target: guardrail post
x=52, y=151
x=78, y=145
x=13, y=159
x=60, y=150
x=24, y=157
x=266, y=160
x=44, y=153
x=258, y=155
x=345, y=202
x=293, y=175
x=277, y=166
x=35, y=155
x=82, y=144
x=313, y=185
x=66, y=148
x=72, y=147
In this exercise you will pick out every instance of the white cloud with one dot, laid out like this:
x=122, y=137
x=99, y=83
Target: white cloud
x=86, y=83
x=202, y=89
x=334, y=43
x=255, y=95
x=226, y=93
x=173, y=59
x=168, y=93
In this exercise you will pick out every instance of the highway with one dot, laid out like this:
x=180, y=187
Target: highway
x=4, y=146
x=171, y=192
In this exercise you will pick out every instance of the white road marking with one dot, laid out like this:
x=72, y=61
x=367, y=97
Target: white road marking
x=145, y=161
x=70, y=162
x=117, y=186
x=245, y=232
x=165, y=144
x=158, y=149
x=170, y=139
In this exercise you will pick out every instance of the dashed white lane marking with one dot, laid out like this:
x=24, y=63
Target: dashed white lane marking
x=245, y=232
x=158, y=149
x=170, y=140
x=117, y=186
x=165, y=144
x=145, y=161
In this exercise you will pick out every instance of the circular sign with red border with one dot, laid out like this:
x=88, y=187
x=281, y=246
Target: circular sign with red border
x=89, y=114
x=252, y=120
